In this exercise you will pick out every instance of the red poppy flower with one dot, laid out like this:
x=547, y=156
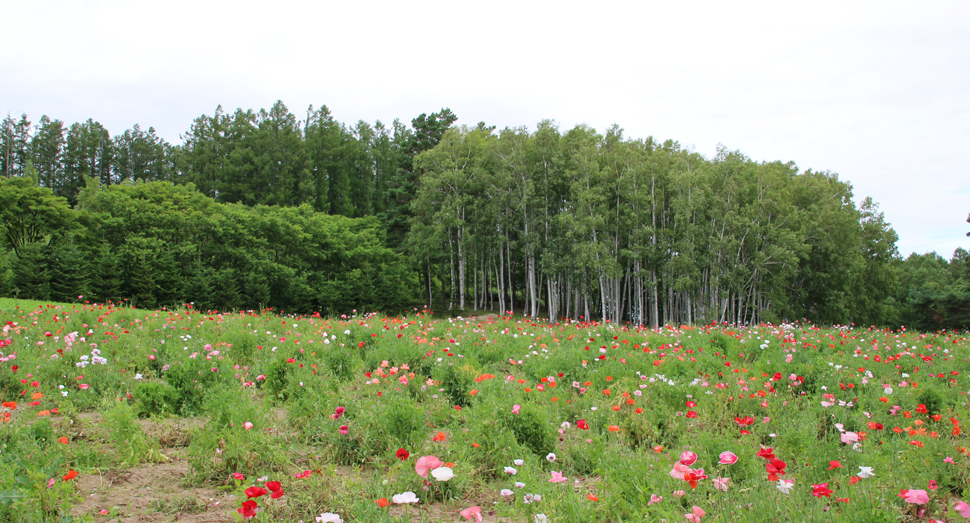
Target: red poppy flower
x=402, y=454
x=822, y=490
x=767, y=453
x=255, y=492
x=70, y=475
x=775, y=467
x=248, y=509
x=582, y=424
x=382, y=502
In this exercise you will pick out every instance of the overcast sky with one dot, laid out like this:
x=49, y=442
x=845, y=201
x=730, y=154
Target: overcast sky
x=878, y=92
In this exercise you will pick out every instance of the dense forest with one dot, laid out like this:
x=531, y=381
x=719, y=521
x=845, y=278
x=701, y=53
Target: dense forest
x=264, y=209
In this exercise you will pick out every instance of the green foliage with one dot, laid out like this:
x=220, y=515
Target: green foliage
x=155, y=398
x=131, y=445
x=457, y=380
x=531, y=427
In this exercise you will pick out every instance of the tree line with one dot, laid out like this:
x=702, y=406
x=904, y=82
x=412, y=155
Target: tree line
x=573, y=224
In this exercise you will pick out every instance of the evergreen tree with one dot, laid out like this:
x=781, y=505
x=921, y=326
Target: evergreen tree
x=227, y=296
x=69, y=271
x=47, y=147
x=168, y=280
x=257, y=293
x=198, y=286
x=31, y=279
x=140, y=279
x=106, y=275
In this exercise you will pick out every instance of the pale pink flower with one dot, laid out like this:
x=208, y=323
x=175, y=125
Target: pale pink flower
x=679, y=470
x=557, y=477
x=696, y=513
x=515, y=409
x=654, y=499
x=962, y=508
x=721, y=483
x=849, y=438
x=918, y=497
x=443, y=473
x=426, y=464
x=472, y=513
x=248, y=425
x=405, y=497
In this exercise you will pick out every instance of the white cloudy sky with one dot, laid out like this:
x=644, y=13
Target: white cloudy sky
x=878, y=92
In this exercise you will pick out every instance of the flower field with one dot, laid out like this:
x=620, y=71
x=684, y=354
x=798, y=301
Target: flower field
x=418, y=418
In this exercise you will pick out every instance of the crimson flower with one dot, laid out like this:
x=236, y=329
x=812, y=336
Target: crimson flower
x=248, y=509
x=766, y=453
x=821, y=490
x=255, y=492
x=402, y=454
x=775, y=467
x=582, y=424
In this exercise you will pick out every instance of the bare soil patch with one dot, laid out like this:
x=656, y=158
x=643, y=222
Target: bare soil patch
x=152, y=492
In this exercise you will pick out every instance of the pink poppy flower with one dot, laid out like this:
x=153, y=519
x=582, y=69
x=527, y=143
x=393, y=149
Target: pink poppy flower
x=248, y=425
x=679, y=470
x=962, y=508
x=654, y=499
x=728, y=458
x=515, y=409
x=849, y=438
x=344, y=429
x=687, y=457
x=918, y=497
x=557, y=477
x=721, y=483
x=472, y=513
x=427, y=464
x=696, y=513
